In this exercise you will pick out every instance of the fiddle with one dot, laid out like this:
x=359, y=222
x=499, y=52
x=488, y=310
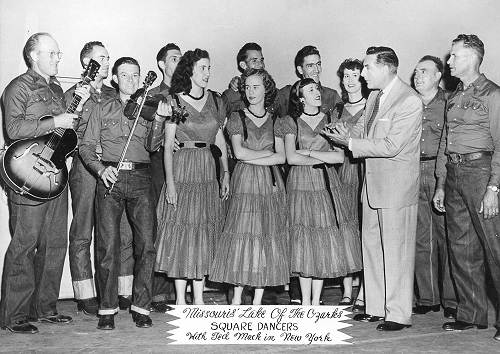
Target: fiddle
x=149, y=108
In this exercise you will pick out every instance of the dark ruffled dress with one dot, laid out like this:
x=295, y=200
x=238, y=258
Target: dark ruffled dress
x=185, y=242
x=253, y=248
x=320, y=227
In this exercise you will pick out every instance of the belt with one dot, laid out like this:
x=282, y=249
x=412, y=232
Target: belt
x=459, y=158
x=193, y=144
x=128, y=165
x=214, y=149
x=427, y=158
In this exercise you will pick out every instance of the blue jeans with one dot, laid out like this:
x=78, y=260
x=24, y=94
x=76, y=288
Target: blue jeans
x=34, y=260
x=432, y=270
x=474, y=241
x=83, y=187
x=131, y=194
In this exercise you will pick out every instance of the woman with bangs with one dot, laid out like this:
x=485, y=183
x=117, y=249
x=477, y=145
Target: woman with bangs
x=253, y=248
x=354, y=94
x=190, y=210
x=317, y=215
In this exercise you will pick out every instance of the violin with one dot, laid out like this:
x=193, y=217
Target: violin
x=149, y=108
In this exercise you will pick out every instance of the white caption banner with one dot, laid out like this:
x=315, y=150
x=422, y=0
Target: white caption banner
x=226, y=324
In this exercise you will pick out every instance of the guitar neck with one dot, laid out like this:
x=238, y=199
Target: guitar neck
x=74, y=104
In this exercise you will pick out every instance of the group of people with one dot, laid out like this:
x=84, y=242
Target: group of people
x=261, y=187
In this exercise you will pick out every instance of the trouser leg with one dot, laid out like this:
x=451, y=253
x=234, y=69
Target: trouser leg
x=82, y=186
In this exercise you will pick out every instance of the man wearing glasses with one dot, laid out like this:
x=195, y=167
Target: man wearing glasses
x=35, y=257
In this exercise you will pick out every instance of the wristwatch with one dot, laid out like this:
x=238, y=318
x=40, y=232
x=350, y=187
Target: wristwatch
x=493, y=189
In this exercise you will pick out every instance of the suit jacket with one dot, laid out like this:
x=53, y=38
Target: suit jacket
x=391, y=148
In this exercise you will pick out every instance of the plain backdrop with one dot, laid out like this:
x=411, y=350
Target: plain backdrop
x=339, y=28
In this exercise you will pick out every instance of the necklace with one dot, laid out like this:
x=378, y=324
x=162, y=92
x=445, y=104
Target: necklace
x=312, y=115
x=197, y=98
x=255, y=115
x=361, y=99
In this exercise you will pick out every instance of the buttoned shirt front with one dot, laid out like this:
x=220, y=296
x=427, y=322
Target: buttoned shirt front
x=109, y=127
x=473, y=124
x=432, y=124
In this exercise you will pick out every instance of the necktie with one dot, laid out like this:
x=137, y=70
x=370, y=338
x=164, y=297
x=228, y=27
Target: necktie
x=375, y=111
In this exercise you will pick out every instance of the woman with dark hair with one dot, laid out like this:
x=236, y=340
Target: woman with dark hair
x=318, y=221
x=190, y=212
x=253, y=248
x=354, y=94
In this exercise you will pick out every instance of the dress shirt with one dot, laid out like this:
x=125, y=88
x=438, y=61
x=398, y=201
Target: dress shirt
x=109, y=127
x=473, y=124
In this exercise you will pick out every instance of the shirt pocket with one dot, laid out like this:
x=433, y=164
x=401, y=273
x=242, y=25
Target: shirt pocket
x=474, y=107
x=111, y=129
x=38, y=105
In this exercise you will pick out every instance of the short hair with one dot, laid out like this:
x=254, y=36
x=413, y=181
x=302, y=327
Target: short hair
x=124, y=60
x=31, y=45
x=295, y=107
x=87, y=50
x=267, y=80
x=473, y=42
x=352, y=64
x=181, y=78
x=438, y=62
x=301, y=54
x=242, y=53
x=162, y=53
x=385, y=56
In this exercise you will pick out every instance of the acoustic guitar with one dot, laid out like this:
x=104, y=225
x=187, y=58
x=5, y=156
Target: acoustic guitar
x=36, y=167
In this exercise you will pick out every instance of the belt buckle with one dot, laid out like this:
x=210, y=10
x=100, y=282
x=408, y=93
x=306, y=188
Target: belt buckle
x=456, y=158
x=126, y=165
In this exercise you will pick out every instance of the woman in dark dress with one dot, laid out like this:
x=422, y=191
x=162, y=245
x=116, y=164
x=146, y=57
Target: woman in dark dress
x=354, y=94
x=317, y=215
x=253, y=248
x=190, y=210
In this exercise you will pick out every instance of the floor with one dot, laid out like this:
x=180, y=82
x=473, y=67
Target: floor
x=82, y=336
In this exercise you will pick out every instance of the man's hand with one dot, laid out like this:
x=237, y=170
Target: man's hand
x=84, y=93
x=489, y=204
x=338, y=133
x=65, y=120
x=438, y=200
x=234, y=83
x=109, y=176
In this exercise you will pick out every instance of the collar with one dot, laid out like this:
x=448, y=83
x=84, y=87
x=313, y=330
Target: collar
x=37, y=77
x=387, y=90
x=476, y=84
x=438, y=97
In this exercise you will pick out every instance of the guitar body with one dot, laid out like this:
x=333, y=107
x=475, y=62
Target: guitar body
x=36, y=167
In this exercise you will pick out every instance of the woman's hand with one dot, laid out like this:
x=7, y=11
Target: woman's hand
x=224, y=192
x=172, y=195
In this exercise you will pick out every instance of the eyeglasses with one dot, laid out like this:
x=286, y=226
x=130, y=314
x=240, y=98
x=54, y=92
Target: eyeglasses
x=53, y=54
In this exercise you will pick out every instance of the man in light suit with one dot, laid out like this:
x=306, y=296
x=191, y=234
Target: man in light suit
x=388, y=136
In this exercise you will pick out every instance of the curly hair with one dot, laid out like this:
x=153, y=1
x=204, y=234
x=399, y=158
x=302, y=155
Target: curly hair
x=295, y=107
x=267, y=80
x=181, y=78
x=352, y=64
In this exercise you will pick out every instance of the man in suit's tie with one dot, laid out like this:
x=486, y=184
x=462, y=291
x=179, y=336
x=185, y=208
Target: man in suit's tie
x=388, y=136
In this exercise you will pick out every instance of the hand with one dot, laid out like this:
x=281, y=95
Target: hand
x=438, y=200
x=234, y=83
x=109, y=176
x=84, y=93
x=489, y=204
x=224, y=192
x=172, y=195
x=164, y=109
x=65, y=120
